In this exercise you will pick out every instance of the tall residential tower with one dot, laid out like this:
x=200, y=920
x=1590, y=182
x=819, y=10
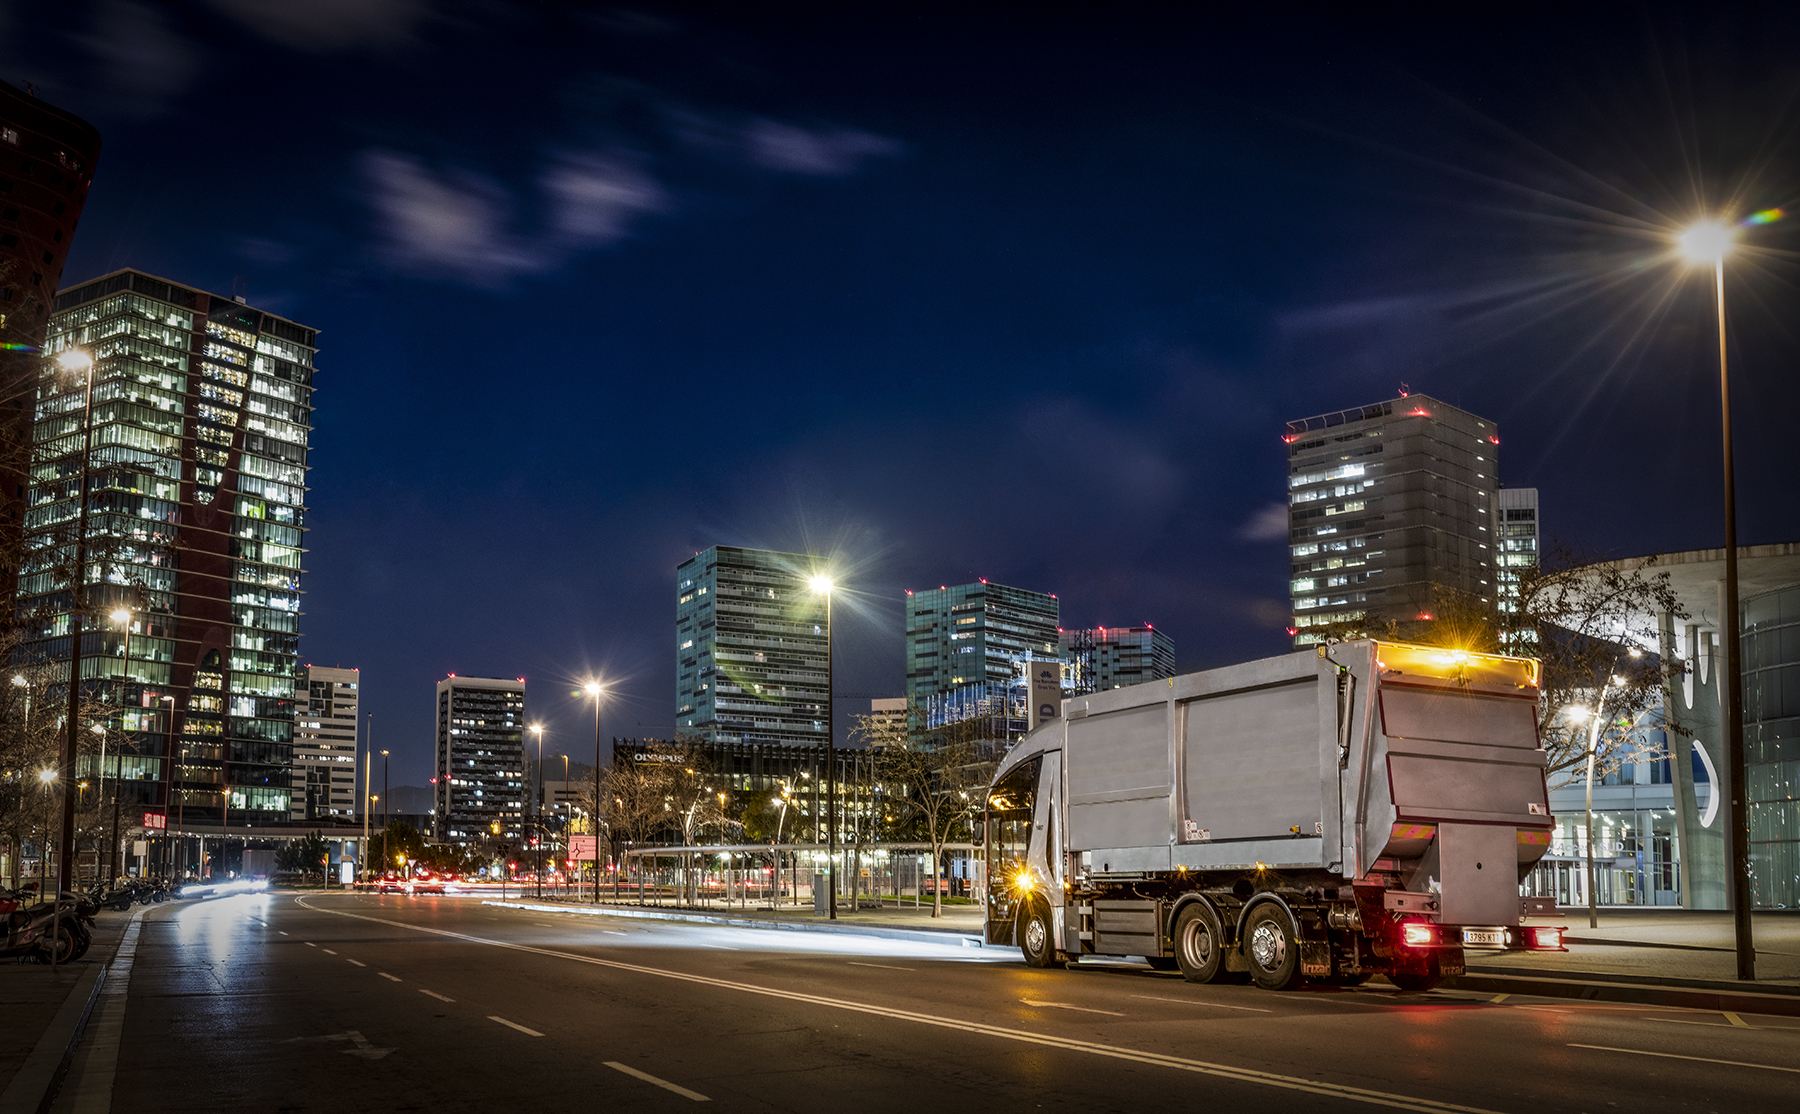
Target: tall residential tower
x=480, y=783
x=969, y=634
x=1390, y=506
x=325, y=755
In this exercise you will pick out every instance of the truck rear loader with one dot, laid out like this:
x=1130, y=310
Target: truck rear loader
x=1368, y=808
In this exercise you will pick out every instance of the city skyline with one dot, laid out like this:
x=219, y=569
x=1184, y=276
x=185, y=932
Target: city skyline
x=1049, y=351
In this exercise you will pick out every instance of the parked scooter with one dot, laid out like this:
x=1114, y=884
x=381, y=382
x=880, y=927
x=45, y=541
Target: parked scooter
x=44, y=931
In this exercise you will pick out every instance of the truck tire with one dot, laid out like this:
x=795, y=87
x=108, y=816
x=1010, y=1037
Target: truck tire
x=1035, y=938
x=1199, y=943
x=1271, y=945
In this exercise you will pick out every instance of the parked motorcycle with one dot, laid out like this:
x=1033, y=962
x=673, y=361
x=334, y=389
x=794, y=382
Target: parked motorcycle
x=46, y=932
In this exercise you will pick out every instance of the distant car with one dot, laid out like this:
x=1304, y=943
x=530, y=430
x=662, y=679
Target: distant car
x=390, y=884
x=425, y=886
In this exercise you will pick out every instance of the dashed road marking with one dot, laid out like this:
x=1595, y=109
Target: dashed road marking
x=1734, y=1018
x=1499, y=998
x=615, y=932
x=327, y=951
x=514, y=1025
x=310, y=944
x=283, y=933
x=358, y=962
x=883, y=966
x=435, y=994
x=663, y=1083
x=720, y=947
x=394, y=978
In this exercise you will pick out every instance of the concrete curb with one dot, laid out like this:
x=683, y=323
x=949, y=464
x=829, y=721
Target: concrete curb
x=34, y=1088
x=1601, y=988
x=916, y=936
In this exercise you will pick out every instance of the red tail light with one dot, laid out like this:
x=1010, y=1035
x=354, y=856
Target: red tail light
x=1419, y=934
x=1547, y=939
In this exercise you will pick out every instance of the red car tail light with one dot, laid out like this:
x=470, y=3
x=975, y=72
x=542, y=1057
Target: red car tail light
x=1418, y=934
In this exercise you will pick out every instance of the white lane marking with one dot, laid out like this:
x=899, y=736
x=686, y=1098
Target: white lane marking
x=1195, y=1002
x=391, y=978
x=721, y=947
x=1540, y=1009
x=1679, y=1021
x=93, y=1092
x=1701, y=1059
x=542, y=924
x=309, y=943
x=435, y=994
x=883, y=966
x=514, y=1025
x=615, y=932
x=358, y=962
x=663, y=1083
x=283, y=933
x=1066, y=1006
x=980, y=1028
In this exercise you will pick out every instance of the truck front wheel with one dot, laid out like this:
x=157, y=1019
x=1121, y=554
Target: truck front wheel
x=1034, y=936
x=1271, y=946
x=1199, y=949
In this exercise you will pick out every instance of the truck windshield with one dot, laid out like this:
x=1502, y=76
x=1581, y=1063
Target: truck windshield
x=1011, y=803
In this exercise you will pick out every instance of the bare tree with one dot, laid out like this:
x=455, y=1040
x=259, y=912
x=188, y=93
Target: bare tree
x=934, y=780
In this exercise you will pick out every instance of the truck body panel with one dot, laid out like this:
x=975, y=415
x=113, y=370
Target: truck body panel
x=1376, y=767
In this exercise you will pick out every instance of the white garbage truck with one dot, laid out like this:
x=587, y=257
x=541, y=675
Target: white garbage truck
x=1368, y=808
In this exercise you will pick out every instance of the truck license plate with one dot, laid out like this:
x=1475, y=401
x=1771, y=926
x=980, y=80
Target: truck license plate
x=1484, y=937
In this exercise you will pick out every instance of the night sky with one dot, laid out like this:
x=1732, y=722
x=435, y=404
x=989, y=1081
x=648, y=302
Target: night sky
x=943, y=294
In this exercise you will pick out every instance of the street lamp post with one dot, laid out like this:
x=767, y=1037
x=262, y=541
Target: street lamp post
x=822, y=584
x=75, y=360
x=387, y=804
x=1708, y=243
x=123, y=617
x=595, y=689
x=538, y=809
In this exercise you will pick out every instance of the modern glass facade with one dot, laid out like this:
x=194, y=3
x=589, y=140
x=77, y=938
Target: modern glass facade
x=479, y=791
x=750, y=648
x=1772, y=744
x=971, y=634
x=1387, y=505
x=1114, y=657
x=195, y=493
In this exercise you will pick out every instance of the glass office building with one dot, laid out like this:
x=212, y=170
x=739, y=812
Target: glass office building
x=325, y=753
x=750, y=648
x=1114, y=657
x=194, y=485
x=1389, y=505
x=1772, y=744
x=970, y=634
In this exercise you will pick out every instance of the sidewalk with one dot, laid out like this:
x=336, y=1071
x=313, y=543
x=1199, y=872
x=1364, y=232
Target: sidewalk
x=41, y=1011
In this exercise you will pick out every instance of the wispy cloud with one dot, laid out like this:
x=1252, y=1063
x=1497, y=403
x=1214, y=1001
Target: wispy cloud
x=462, y=224
x=1268, y=524
x=139, y=55
x=457, y=222
x=330, y=25
x=782, y=147
x=595, y=197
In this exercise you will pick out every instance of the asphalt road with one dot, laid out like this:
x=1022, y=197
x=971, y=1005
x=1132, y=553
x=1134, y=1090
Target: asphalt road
x=363, y=1003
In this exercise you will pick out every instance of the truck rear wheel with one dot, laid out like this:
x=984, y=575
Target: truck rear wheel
x=1271, y=945
x=1199, y=943
x=1035, y=937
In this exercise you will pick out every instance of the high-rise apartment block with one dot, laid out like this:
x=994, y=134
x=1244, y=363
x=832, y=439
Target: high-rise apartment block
x=480, y=780
x=46, y=164
x=191, y=484
x=1114, y=657
x=325, y=756
x=1390, y=506
x=977, y=633
x=750, y=648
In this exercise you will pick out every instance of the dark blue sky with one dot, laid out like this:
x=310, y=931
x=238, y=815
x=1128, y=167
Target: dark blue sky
x=945, y=294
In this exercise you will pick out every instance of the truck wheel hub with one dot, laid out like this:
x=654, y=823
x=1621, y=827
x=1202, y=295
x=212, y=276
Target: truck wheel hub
x=1268, y=946
x=1034, y=935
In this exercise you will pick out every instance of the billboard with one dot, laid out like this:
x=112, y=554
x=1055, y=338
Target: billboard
x=583, y=847
x=1044, y=680
x=156, y=820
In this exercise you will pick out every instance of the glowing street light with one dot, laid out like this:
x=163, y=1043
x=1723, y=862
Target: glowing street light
x=821, y=585
x=596, y=690
x=538, y=807
x=1707, y=243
